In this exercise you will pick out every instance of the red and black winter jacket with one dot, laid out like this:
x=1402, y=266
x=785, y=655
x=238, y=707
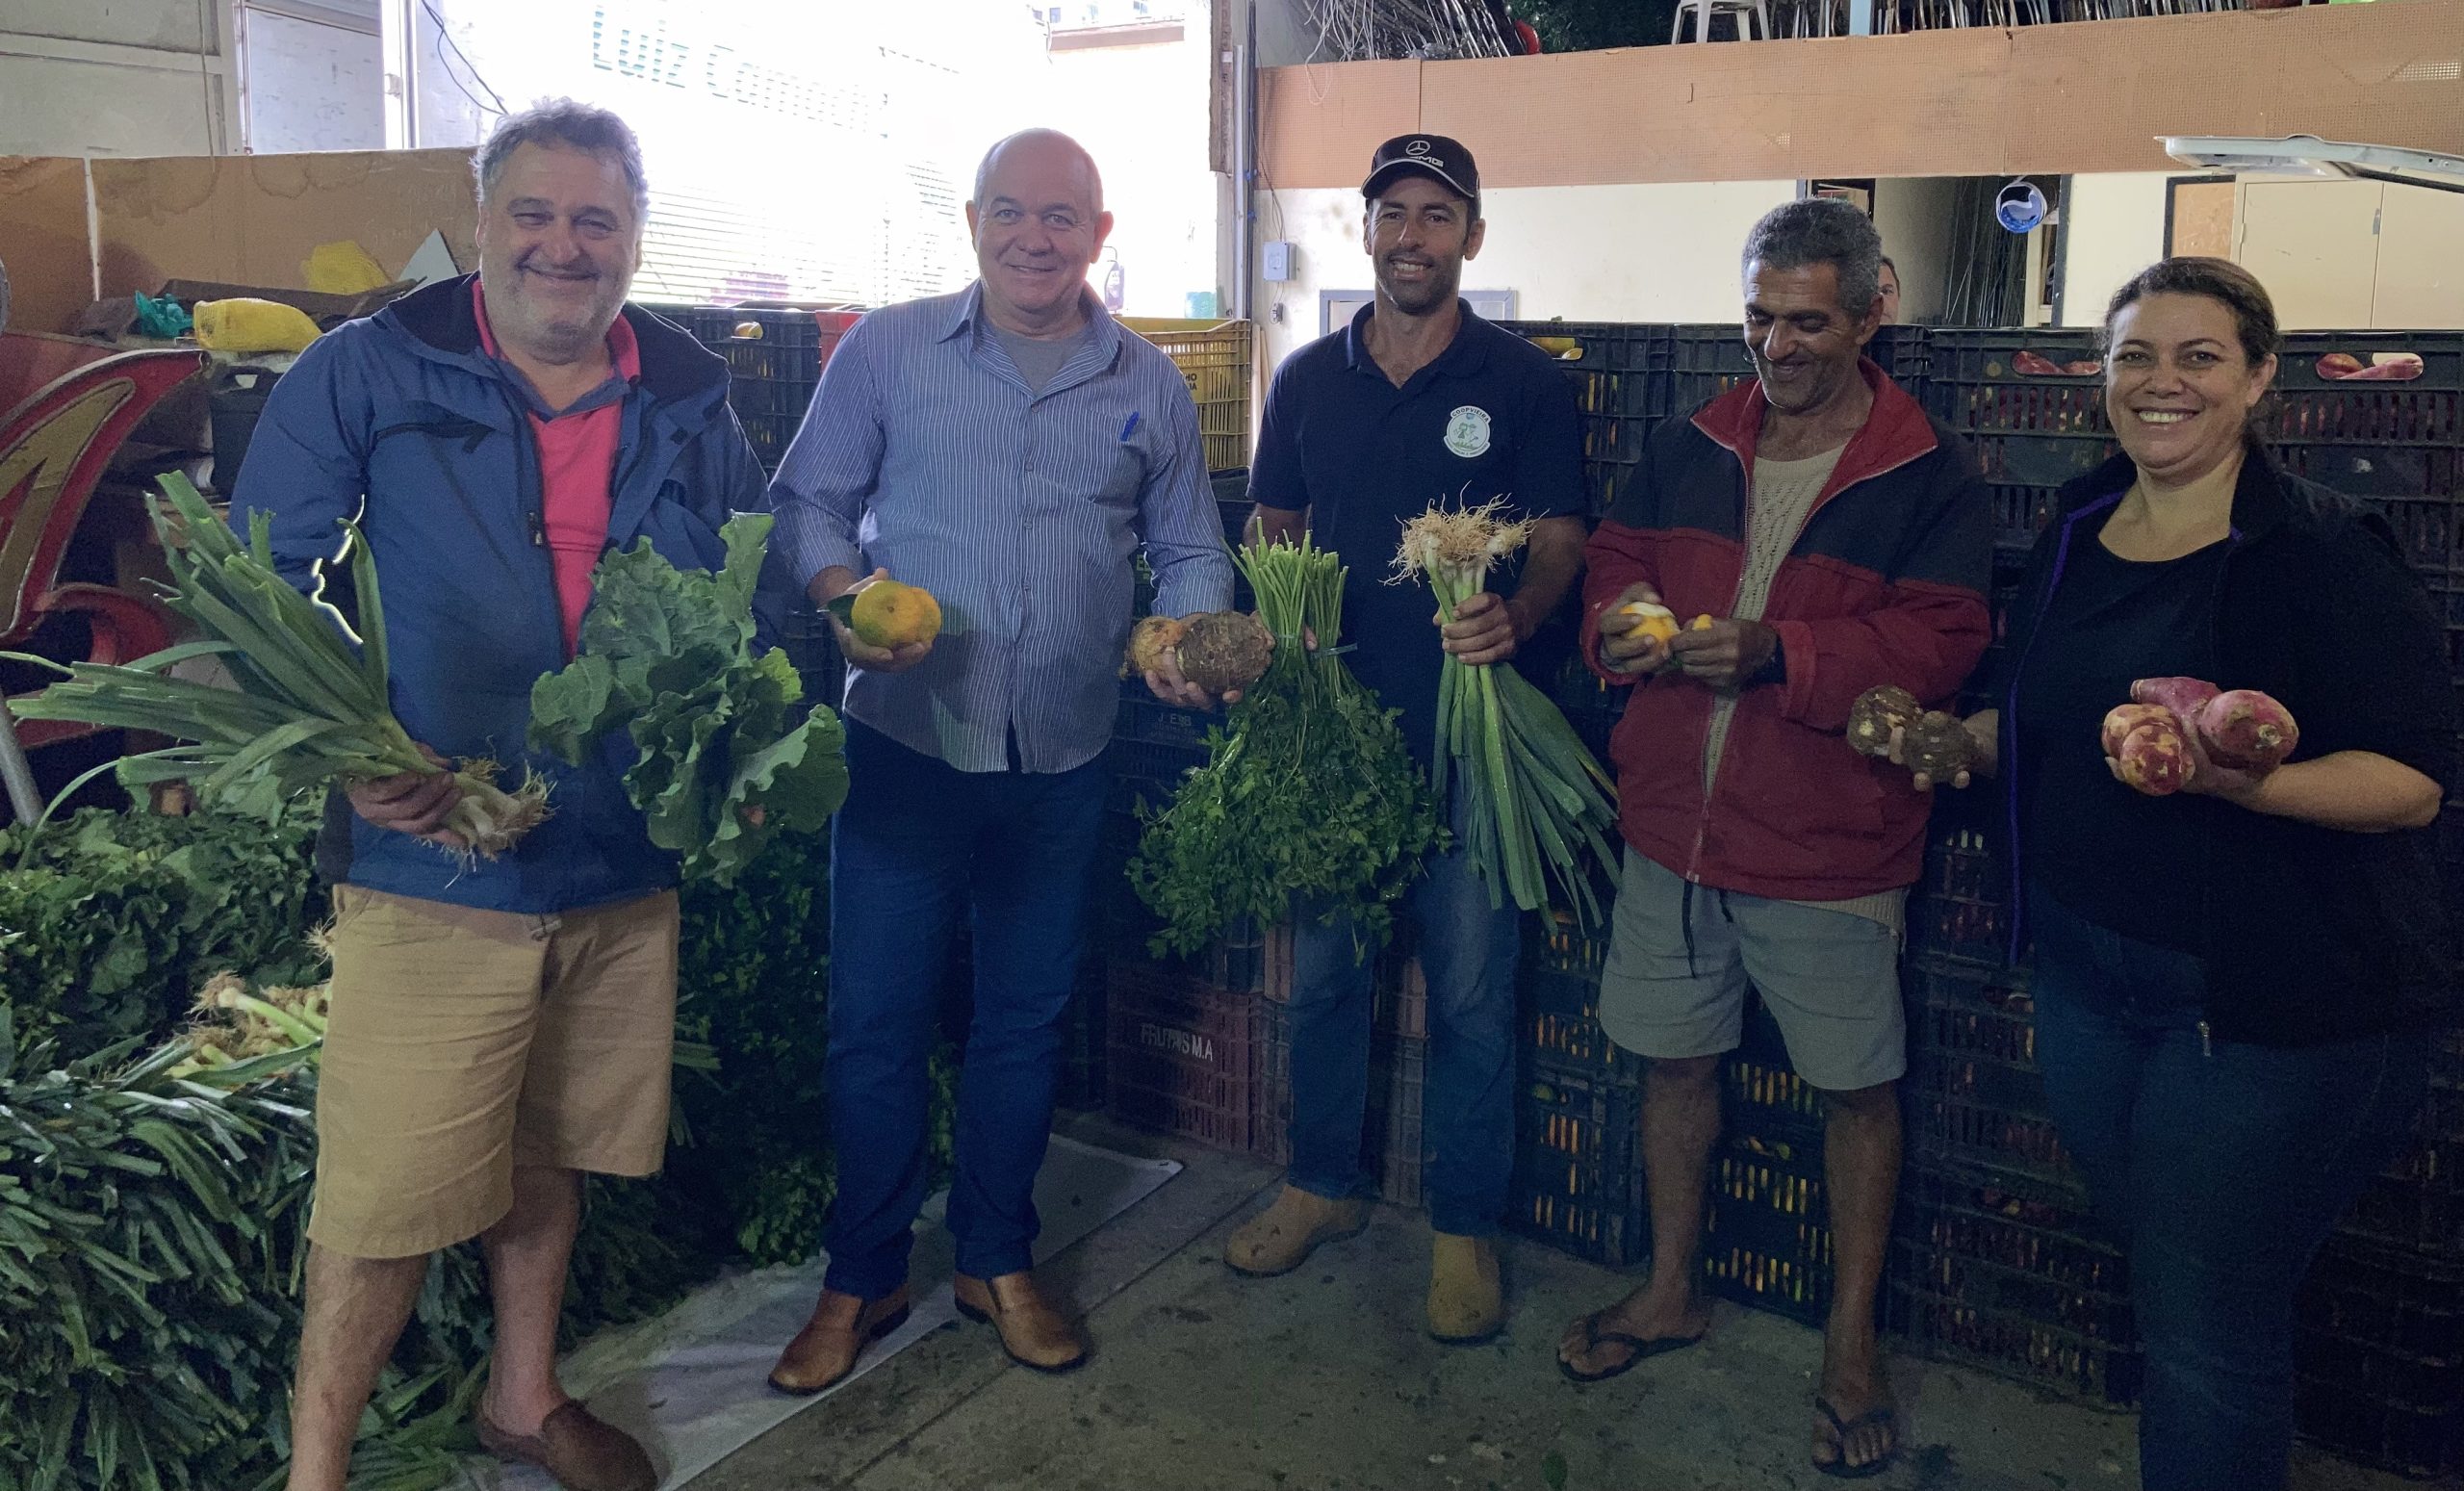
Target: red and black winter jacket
x=1884, y=584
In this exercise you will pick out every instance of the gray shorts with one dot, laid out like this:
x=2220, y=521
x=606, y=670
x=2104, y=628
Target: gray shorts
x=1830, y=978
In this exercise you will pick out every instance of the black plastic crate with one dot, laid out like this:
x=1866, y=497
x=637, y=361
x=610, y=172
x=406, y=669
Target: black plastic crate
x=1766, y=1237
x=1998, y=1279
x=1577, y=1185
x=1958, y=1010
x=1961, y=909
x=2401, y=442
x=2378, y=1351
x=2407, y=1438
x=1608, y=364
x=1561, y=1024
x=1696, y=364
x=1967, y=1112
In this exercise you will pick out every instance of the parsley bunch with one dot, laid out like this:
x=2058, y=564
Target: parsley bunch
x=1310, y=794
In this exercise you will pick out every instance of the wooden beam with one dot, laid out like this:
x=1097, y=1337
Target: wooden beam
x=2084, y=97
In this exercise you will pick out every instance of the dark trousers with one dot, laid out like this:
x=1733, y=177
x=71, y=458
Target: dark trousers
x=1468, y=954
x=2223, y=1166
x=919, y=845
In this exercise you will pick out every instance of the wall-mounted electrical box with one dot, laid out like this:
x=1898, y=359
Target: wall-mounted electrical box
x=1275, y=260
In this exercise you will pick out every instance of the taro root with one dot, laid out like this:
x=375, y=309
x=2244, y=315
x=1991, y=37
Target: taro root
x=1877, y=713
x=1221, y=650
x=1937, y=746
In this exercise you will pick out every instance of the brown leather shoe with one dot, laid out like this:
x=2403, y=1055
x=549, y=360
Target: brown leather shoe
x=580, y=1450
x=826, y=1349
x=1033, y=1333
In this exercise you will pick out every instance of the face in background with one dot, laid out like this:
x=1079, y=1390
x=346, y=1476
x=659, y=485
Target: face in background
x=1804, y=342
x=559, y=240
x=1418, y=233
x=1891, y=296
x=2178, y=388
x=1037, y=222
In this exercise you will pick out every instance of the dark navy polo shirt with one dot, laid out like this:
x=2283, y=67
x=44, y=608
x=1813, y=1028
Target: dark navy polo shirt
x=1493, y=417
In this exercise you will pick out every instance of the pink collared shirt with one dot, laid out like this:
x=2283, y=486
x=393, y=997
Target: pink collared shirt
x=576, y=472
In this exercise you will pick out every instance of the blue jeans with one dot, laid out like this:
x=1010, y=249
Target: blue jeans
x=1468, y=953
x=2224, y=1167
x=918, y=844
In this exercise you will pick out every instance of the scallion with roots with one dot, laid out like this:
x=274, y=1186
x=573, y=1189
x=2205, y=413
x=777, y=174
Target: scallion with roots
x=307, y=710
x=1536, y=803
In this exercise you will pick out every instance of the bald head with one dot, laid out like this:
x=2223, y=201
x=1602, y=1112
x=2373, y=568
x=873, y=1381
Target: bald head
x=1041, y=155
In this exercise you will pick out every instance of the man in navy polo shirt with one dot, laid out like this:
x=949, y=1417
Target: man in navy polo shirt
x=1417, y=401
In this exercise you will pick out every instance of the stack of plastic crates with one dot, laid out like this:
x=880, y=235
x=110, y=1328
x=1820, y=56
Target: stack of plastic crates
x=775, y=354
x=2379, y=1342
x=1994, y=1260
x=1608, y=364
x=1690, y=366
x=1577, y=1177
x=1766, y=1237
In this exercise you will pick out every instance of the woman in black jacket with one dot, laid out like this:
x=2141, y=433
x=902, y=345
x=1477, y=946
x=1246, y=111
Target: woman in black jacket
x=2233, y=986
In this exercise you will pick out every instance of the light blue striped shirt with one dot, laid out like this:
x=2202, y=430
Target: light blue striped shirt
x=924, y=453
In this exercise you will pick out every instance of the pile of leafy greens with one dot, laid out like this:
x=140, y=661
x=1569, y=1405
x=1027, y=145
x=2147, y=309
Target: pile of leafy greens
x=110, y=922
x=1310, y=795
x=727, y=755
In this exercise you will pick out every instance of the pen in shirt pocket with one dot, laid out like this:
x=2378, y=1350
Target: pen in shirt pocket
x=1131, y=426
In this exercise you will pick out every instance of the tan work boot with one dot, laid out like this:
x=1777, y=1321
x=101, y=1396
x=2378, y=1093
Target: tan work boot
x=1464, y=1305
x=1281, y=1238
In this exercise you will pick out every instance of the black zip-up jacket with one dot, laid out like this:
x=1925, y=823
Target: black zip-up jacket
x=2310, y=934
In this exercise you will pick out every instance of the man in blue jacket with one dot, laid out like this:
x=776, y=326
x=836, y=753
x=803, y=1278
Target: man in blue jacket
x=500, y=1025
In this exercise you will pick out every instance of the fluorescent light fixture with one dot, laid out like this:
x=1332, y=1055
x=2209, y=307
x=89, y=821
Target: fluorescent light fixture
x=2307, y=155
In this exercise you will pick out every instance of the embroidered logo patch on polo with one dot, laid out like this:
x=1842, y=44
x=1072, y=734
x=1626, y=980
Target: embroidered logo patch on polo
x=1467, y=430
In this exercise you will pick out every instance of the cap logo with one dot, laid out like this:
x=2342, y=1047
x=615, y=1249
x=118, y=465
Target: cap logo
x=1417, y=147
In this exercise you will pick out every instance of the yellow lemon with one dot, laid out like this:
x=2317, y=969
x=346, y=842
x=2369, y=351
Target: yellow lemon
x=890, y=614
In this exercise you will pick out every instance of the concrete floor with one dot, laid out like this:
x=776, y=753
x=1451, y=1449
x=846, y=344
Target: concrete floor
x=1323, y=1381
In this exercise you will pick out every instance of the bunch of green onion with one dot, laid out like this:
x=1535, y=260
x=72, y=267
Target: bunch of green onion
x=306, y=711
x=1536, y=799
x=1310, y=795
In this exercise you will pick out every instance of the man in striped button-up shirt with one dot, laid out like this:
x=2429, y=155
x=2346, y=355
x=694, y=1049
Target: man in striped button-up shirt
x=1007, y=448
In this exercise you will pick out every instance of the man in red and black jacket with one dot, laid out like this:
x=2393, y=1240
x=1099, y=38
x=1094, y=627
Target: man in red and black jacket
x=1815, y=535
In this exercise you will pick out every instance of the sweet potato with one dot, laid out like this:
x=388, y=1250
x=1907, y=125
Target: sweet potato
x=2121, y=719
x=1877, y=713
x=2155, y=759
x=2185, y=696
x=2338, y=364
x=2399, y=369
x=2247, y=730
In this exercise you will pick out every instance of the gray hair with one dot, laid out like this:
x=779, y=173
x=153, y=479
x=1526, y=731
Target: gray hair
x=1822, y=230
x=984, y=169
x=574, y=126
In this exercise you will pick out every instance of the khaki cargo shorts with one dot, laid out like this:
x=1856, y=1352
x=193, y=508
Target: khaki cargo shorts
x=1680, y=964
x=463, y=1042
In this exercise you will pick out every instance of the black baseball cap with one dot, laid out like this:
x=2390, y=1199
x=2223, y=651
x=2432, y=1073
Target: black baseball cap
x=1433, y=156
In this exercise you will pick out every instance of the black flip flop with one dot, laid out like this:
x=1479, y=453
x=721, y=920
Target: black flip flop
x=1839, y=1469
x=1644, y=1348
